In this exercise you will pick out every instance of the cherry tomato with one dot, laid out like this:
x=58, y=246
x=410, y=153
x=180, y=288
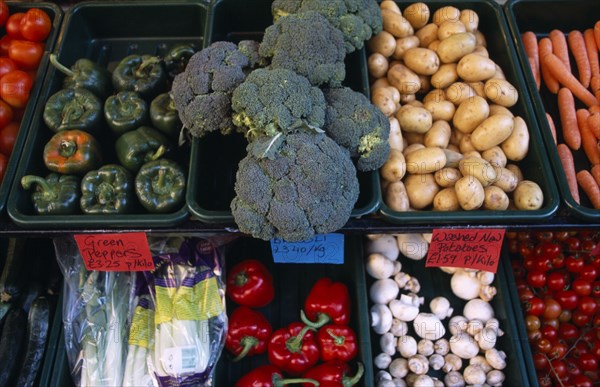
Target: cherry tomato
x=8, y=136
x=4, y=13
x=549, y=332
x=561, y=235
x=545, y=381
x=3, y=162
x=581, y=319
x=596, y=289
x=4, y=44
x=542, y=263
x=27, y=55
x=595, y=348
x=548, y=249
x=543, y=345
x=588, y=245
x=580, y=348
x=552, y=309
x=525, y=295
x=582, y=381
x=589, y=273
x=582, y=287
x=553, y=323
x=557, y=280
x=558, y=350
x=572, y=367
x=588, y=362
x=544, y=236
x=529, y=263
x=566, y=298
x=574, y=264
x=536, y=278
x=540, y=361
x=587, y=305
x=6, y=113
x=13, y=25
x=535, y=306
x=6, y=65
x=532, y=323
x=35, y=25
x=513, y=244
x=526, y=248
x=559, y=369
x=524, y=236
x=15, y=87
x=572, y=244
x=568, y=331
x=558, y=262
x=565, y=316
x=532, y=336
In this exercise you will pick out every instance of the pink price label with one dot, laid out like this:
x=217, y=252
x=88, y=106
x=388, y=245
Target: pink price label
x=115, y=252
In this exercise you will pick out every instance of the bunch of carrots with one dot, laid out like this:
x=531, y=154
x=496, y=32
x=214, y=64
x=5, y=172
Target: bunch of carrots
x=577, y=91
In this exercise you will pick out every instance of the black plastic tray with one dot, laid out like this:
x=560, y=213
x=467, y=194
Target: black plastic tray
x=106, y=32
x=535, y=166
x=56, y=16
x=210, y=190
x=541, y=17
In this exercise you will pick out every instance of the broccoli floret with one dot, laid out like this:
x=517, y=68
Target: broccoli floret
x=355, y=123
x=272, y=101
x=202, y=92
x=357, y=19
x=309, y=187
x=307, y=44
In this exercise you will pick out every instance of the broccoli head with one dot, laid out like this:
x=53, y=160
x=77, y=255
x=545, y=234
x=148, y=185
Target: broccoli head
x=307, y=44
x=309, y=187
x=355, y=123
x=202, y=92
x=272, y=101
x=357, y=19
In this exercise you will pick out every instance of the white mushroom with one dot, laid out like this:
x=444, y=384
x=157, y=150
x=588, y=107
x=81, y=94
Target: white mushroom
x=478, y=309
x=383, y=291
x=473, y=374
x=413, y=285
x=418, y=364
x=474, y=327
x=485, y=277
x=397, y=268
x=465, y=284
x=399, y=327
x=382, y=375
x=425, y=347
x=372, y=237
x=427, y=236
x=487, y=293
x=379, y=266
x=486, y=338
x=436, y=361
x=495, y=358
x=387, y=342
x=412, y=246
x=381, y=318
x=399, y=367
x=495, y=378
x=480, y=361
x=464, y=346
x=407, y=346
x=452, y=363
x=454, y=379
x=428, y=326
x=457, y=324
x=423, y=381
x=440, y=306
x=382, y=361
x=449, y=269
x=411, y=378
x=407, y=282
x=386, y=245
x=441, y=347
x=437, y=382
x=406, y=308
x=494, y=324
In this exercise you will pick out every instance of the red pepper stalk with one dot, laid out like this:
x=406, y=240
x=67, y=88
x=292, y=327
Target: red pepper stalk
x=249, y=283
x=248, y=333
x=327, y=302
x=270, y=376
x=337, y=342
x=334, y=374
x=294, y=348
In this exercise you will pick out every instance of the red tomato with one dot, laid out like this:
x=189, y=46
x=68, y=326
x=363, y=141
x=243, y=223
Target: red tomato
x=574, y=264
x=566, y=298
x=596, y=289
x=588, y=245
x=572, y=244
x=540, y=361
x=544, y=236
x=13, y=25
x=543, y=345
x=4, y=44
x=588, y=362
x=554, y=323
x=8, y=135
x=582, y=381
x=6, y=114
x=559, y=369
x=525, y=295
x=549, y=332
x=572, y=367
x=536, y=278
x=4, y=13
x=6, y=65
x=581, y=319
x=582, y=287
x=3, y=162
x=557, y=280
x=587, y=305
x=27, y=55
x=542, y=263
x=568, y=331
x=565, y=316
x=532, y=323
x=535, y=306
x=548, y=249
x=545, y=381
x=580, y=348
x=559, y=349
x=15, y=87
x=35, y=25
x=526, y=248
x=589, y=273
x=552, y=309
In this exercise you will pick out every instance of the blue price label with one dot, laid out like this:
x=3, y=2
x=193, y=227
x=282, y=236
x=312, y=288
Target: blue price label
x=323, y=248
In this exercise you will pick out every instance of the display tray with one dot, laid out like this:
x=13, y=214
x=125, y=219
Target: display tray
x=211, y=189
x=56, y=15
x=106, y=32
x=535, y=166
x=541, y=17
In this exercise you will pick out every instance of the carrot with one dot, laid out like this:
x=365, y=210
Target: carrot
x=596, y=173
x=597, y=33
x=568, y=164
x=594, y=109
x=552, y=126
x=592, y=51
x=565, y=78
x=530, y=44
x=568, y=118
x=593, y=122
x=545, y=48
x=579, y=51
x=595, y=86
x=589, y=142
x=590, y=187
x=560, y=47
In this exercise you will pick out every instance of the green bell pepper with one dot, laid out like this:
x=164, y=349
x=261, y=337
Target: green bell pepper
x=54, y=195
x=107, y=190
x=164, y=116
x=85, y=73
x=160, y=186
x=142, y=73
x=76, y=108
x=125, y=111
x=178, y=56
x=139, y=146
x=72, y=152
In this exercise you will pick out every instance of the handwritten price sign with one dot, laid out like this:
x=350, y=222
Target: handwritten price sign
x=115, y=252
x=466, y=248
x=325, y=248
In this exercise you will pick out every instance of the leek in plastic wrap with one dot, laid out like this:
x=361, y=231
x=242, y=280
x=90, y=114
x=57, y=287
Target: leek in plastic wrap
x=141, y=344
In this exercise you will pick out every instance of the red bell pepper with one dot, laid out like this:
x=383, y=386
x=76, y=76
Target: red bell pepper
x=248, y=333
x=249, y=283
x=269, y=376
x=337, y=342
x=334, y=374
x=327, y=302
x=294, y=348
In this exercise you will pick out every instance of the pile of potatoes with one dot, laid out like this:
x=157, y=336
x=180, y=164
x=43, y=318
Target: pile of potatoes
x=454, y=140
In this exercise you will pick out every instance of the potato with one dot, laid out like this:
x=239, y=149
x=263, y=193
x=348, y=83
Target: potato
x=383, y=43
x=450, y=27
x=404, y=44
x=411, y=148
x=377, y=64
x=497, y=109
x=528, y=196
x=452, y=156
x=390, y=5
x=447, y=177
x=456, y=46
x=434, y=45
x=396, y=24
x=453, y=147
x=380, y=82
x=499, y=73
x=501, y=92
x=438, y=135
x=422, y=60
x=414, y=138
x=446, y=13
x=403, y=79
x=414, y=119
x=459, y=92
x=421, y=190
x=478, y=88
x=506, y=179
x=427, y=34
x=394, y=168
x=469, y=192
x=470, y=19
x=425, y=84
x=474, y=67
x=442, y=110
x=492, y=131
x=396, y=197
x=495, y=156
x=446, y=200
x=382, y=97
x=445, y=76
x=417, y=14
x=472, y=153
x=470, y=113
x=514, y=168
x=426, y=160
x=395, y=139
x=435, y=95
x=465, y=144
x=409, y=99
x=480, y=38
x=516, y=145
x=478, y=168
x=495, y=199
x=480, y=50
